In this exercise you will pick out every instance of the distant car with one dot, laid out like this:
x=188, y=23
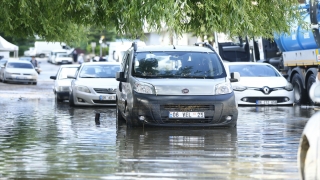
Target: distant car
x=62, y=58
x=309, y=147
x=260, y=84
x=94, y=84
x=18, y=71
x=62, y=83
x=25, y=58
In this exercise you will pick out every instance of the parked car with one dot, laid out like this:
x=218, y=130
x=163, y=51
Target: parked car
x=260, y=84
x=175, y=86
x=309, y=147
x=94, y=84
x=62, y=58
x=62, y=83
x=18, y=71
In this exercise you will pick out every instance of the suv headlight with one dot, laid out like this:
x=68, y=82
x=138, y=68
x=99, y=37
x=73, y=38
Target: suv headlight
x=223, y=88
x=83, y=89
x=143, y=88
x=288, y=87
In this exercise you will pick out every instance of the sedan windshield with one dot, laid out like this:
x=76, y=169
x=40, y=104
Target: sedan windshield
x=19, y=65
x=99, y=71
x=67, y=71
x=178, y=65
x=254, y=70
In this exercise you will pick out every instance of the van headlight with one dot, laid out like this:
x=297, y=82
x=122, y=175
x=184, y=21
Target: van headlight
x=83, y=89
x=223, y=88
x=143, y=88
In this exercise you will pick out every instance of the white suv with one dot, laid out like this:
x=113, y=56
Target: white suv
x=175, y=86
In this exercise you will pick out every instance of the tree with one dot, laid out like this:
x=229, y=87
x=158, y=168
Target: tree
x=68, y=21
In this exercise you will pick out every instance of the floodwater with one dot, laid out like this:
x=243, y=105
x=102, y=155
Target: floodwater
x=43, y=139
x=40, y=138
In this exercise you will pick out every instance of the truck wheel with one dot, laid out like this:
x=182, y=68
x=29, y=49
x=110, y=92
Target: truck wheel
x=42, y=56
x=311, y=80
x=132, y=121
x=299, y=91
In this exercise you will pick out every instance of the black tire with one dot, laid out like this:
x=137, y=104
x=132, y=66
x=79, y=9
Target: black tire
x=120, y=120
x=132, y=121
x=311, y=80
x=42, y=56
x=58, y=98
x=34, y=83
x=300, y=94
x=71, y=100
x=4, y=80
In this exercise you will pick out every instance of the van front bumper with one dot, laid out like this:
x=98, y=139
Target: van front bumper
x=219, y=110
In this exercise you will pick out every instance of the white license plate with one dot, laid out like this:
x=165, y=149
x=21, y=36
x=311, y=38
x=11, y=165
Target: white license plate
x=21, y=77
x=186, y=115
x=112, y=97
x=266, y=102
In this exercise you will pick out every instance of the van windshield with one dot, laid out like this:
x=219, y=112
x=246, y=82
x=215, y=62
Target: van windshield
x=177, y=65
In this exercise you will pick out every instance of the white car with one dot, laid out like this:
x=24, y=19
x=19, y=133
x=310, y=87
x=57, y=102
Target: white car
x=15, y=70
x=260, y=84
x=62, y=58
x=62, y=83
x=309, y=147
x=94, y=84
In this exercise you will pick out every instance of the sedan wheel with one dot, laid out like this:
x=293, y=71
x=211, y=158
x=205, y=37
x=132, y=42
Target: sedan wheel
x=71, y=100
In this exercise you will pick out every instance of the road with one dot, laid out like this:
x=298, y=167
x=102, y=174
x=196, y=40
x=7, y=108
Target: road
x=43, y=139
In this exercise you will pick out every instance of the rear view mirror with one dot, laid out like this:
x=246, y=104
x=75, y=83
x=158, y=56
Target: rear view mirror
x=53, y=77
x=235, y=77
x=120, y=77
x=314, y=92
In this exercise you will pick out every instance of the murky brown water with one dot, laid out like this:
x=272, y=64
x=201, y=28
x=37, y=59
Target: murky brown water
x=40, y=139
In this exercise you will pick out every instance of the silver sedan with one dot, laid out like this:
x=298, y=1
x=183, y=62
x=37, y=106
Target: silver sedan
x=94, y=84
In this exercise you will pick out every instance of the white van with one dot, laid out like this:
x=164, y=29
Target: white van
x=175, y=86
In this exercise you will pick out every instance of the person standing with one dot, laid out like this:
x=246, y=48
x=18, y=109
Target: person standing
x=80, y=59
x=34, y=61
x=75, y=56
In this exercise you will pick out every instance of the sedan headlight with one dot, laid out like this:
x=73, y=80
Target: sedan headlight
x=288, y=87
x=83, y=89
x=238, y=88
x=143, y=88
x=223, y=88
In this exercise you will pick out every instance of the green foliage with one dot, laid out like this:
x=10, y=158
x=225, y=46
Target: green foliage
x=69, y=21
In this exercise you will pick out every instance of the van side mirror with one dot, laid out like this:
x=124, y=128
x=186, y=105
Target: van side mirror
x=53, y=77
x=235, y=77
x=120, y=77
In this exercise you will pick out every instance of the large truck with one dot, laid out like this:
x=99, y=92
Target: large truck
x=296, y=55
x=43, y=49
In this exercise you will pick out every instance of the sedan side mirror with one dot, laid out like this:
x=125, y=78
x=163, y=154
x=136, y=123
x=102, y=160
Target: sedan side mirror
x=53, y=77
x=120, y=77
x=235, y=77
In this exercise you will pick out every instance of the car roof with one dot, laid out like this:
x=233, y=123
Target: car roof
x=18, y=61
x=69, y=65
x=100, y=63
x=173, y=48
x=246, y=63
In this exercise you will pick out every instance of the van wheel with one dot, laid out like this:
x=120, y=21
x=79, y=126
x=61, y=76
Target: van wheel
x=299, y=91
x=120, y=119
x=71, y=100
x=132, y=121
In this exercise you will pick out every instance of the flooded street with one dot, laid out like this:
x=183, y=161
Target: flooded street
x=43, y=139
